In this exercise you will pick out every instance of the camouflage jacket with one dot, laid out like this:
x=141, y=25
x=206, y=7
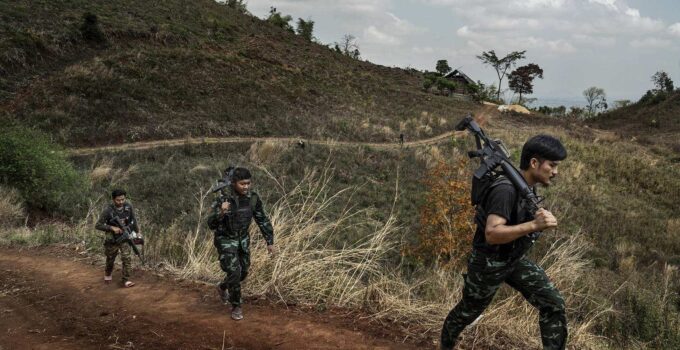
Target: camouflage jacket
x=126, y=214
x=236, y=221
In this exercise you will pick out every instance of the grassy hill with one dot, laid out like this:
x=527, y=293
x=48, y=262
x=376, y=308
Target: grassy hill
x=173, y=69
x=653, y=120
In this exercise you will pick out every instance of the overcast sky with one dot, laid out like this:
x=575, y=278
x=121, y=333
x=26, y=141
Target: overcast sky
x=613, y=44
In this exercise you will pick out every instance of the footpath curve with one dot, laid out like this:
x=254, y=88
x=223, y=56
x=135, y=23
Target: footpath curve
x=144, y=145
x=482, y=116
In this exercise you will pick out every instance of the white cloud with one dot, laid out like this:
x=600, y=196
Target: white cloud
x=374, y=36
x=598, y=41
x=427, y=50
x=674, y=29
x=560, y=46
x=558, y=26
x=650, y=43
x=611, y=4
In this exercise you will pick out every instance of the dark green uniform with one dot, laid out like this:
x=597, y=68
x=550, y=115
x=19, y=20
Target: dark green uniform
x=233, y=241
x=127, y=216
x=489, y=266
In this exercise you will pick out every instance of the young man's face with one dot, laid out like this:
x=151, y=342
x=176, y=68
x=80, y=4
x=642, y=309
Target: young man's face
x=242, y=187
x=119, y=201
x=544, y=170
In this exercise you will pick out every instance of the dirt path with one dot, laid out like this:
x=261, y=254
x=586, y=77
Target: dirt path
x=482, y=115
x=143, y=145
x=53, y=300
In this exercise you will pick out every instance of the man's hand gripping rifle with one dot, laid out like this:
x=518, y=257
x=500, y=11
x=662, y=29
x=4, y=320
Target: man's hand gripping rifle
x=492, y=155
x=129, y=237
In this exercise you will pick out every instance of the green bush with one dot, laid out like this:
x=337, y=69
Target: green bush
x=651, y=98
x=39, y=169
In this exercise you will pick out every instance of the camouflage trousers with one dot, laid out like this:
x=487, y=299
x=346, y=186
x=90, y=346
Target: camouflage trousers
x=111, y=251
x=234, y=256
x=485, y=275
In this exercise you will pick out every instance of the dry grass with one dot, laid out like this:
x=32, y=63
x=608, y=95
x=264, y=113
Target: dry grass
x=267, y=152
x=308, y=269
x=103, y=170
x=11, y=207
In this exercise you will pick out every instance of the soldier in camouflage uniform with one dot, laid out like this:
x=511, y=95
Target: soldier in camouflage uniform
x=123, y=210
x=504, y=235
x=232, y=214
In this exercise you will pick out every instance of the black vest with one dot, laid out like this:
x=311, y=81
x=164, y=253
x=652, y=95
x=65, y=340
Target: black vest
x=124, y=214
x=520, y=214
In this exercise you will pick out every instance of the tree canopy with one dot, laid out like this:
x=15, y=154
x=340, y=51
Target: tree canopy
x=662, y=82
x=521, y=80
x=443, y=67
x=501, y=65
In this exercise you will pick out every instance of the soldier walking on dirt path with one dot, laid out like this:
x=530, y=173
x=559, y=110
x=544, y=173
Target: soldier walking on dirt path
x=401, y=140
x=232, y=214
x=121, y=209
x=505, y=233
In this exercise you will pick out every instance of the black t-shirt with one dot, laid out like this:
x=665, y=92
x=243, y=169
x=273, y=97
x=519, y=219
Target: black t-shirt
x=502, y=200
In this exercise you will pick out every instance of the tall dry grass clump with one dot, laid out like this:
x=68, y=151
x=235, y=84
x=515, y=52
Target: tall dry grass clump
x=308, y=267
x=11, y=206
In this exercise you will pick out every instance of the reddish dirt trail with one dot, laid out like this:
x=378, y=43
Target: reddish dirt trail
x=52, y=300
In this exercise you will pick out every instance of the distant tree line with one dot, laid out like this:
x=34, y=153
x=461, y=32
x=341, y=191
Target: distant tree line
x=304, y=28
x=596, y=100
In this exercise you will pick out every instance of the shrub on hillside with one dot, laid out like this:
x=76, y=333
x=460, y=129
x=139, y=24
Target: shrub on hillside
x=482, y=92
x=279, y=20
x=445, y=232
x=645, y=316
x=239, y=5
x=38, y=168
x=651, y=98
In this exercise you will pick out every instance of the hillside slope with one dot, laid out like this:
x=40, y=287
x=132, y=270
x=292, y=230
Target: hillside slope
x=652, y=121
x=174, y=69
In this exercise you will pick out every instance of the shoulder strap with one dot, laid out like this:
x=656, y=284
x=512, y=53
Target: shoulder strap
x=480, y=213
x=500, y=180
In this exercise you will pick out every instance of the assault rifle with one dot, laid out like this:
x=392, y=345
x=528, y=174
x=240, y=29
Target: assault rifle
x=225, y=181
x=492, y=155
x=128, y=236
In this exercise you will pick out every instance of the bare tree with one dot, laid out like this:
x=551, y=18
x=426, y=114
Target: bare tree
x=501, y=65
x=596, y=99
x=348, y=46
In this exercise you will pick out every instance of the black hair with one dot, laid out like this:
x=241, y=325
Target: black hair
x=117, y=193
x=543, y=147
x=241, y=174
